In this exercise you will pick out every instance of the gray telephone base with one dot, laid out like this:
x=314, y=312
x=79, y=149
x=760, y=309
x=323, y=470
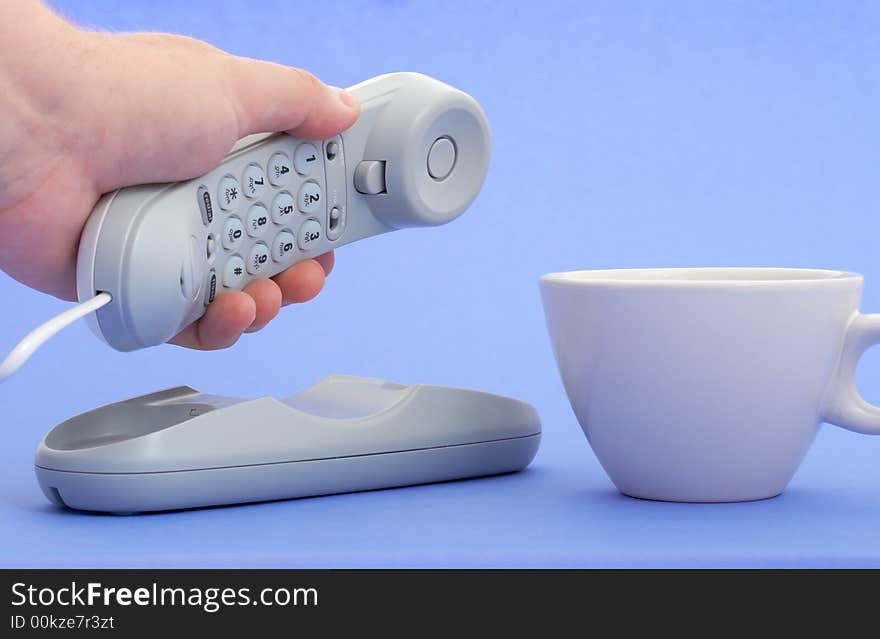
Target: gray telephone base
x=180, y=448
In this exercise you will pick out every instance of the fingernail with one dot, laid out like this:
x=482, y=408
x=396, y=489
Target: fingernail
x=345, y=97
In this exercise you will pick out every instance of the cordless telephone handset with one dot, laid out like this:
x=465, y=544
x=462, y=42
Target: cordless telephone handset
x=416, y=156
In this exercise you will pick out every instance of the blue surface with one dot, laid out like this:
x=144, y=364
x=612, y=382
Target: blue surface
x=625, y=134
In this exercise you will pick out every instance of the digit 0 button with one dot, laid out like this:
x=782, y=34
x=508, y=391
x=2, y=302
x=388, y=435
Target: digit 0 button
x=282, y=247
x=282, y=208
x=308, y=200
x=233, y=233
x=233, y=272
x=279, y=169
x=257, y=259
x=309, y=235
x=305, y=158
x=229, y=193
x=254, y=181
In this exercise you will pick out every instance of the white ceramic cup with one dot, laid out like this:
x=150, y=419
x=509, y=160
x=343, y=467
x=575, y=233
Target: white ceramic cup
x=709, y=384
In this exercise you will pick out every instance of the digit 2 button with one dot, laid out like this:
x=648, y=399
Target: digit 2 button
x=309, y=197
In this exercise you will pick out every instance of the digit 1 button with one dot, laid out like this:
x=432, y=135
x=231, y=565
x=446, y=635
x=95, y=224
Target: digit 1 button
x=282, y=208
x=308, y=200
x=254, y=181
x=309, y=235
x=229, y=193
x=257, y=219
x=257, y=259
x=233, y=233
x=233, y=272
x=282, y=246
x=305, y=158
x=279, y=169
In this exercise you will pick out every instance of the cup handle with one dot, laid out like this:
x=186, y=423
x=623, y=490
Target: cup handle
x=844, y=406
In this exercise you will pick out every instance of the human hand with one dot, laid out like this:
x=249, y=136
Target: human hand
x=83, y=113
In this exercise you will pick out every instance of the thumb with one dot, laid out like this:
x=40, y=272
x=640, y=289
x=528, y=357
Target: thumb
x=176, y=105
x=273, y=97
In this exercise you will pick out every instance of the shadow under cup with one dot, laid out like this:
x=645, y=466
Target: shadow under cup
x=708, y=384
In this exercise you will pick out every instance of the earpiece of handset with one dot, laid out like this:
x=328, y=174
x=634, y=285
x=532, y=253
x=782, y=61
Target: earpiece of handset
x=425, y=156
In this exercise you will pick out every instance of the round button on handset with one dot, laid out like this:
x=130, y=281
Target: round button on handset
x=309, y=235
x=257, y=220
x=254, y=181
x=229, y=193
x=233, y=233
x=279, y=169
x=283, y=208
x=258, y=258
x=308, y=200
x=306, y=158
x=282, y=247
x=233, y=272
x=441, y=158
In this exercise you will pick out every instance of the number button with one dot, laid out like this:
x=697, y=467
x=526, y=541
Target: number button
x=282, y=208
x=279, y=169
x=254, y=181
x=309, y=197
x=233, y=272
x=309, y=235
x=282, y=247
x=229, y=193
x=233, y=233
x=258, y=258
x=257, y=219
x=305, y=158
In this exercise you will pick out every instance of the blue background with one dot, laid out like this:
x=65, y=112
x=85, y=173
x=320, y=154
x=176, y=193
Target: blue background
x=625, y=134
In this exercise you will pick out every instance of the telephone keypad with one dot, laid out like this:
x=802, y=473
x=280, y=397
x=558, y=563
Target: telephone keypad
x=271, y=206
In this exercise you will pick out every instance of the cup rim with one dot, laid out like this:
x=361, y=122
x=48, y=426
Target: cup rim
x=686, y=277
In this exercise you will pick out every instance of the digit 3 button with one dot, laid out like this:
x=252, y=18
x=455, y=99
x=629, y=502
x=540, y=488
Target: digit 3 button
x=257, y=259
x=233, y=272
x=282, y=246
x=309, y=235
x=308, y=200
x=228, y=193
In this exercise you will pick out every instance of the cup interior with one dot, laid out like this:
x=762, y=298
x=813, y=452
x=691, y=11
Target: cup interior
x=696, y=276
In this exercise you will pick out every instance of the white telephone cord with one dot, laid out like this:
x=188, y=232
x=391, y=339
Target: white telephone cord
x=43, y=333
